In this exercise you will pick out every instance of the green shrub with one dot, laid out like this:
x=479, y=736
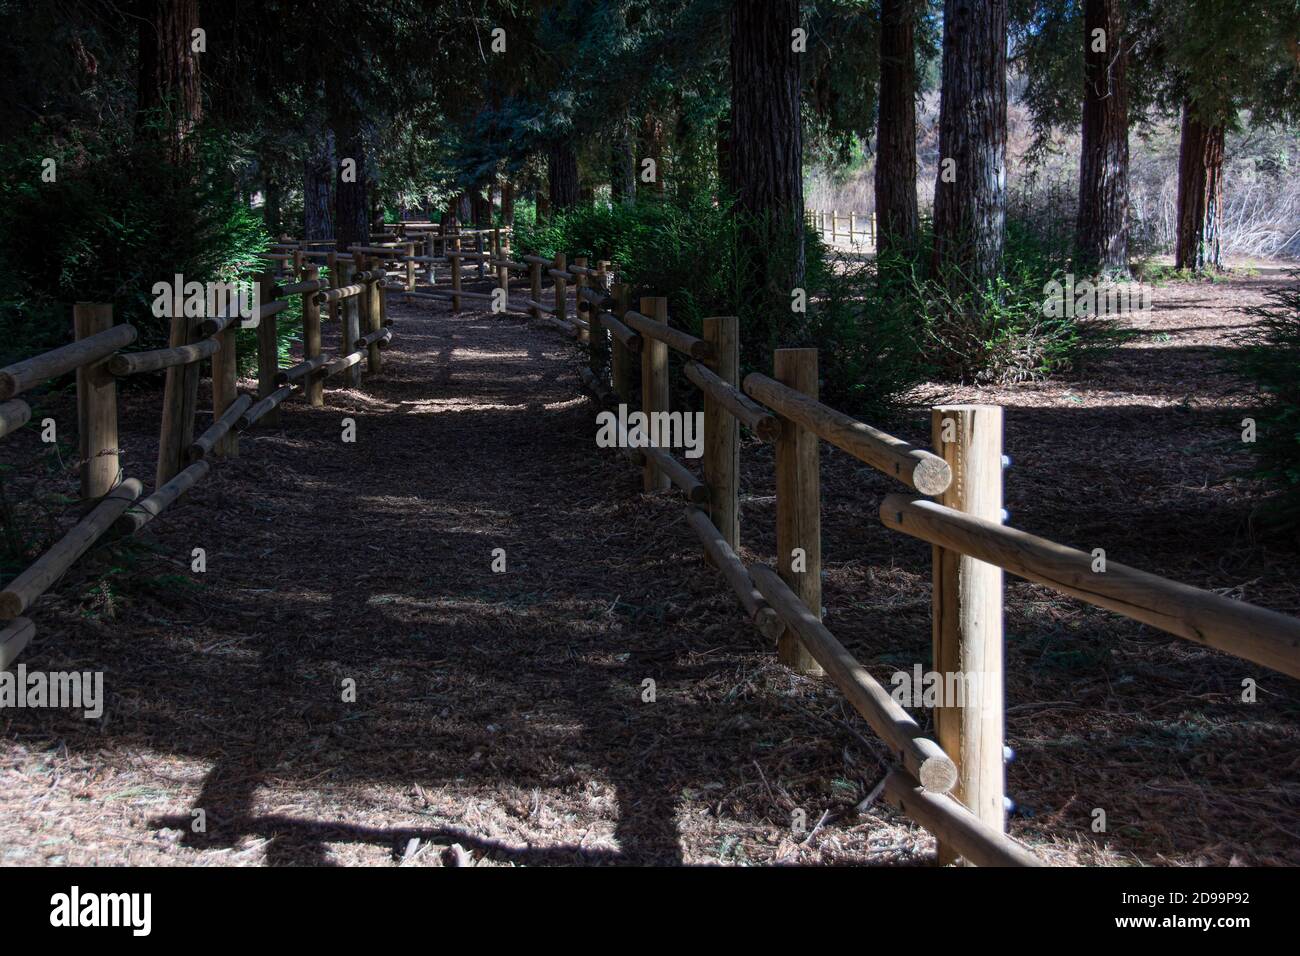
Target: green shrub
x=696, y=255
x=115, y=221
x=1270, y=358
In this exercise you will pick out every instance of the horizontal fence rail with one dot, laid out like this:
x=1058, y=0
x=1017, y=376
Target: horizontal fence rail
x=356, y=299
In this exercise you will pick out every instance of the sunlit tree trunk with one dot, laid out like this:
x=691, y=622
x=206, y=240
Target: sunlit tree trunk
x=1101, y=235
x=1200, y=193
x=970, y=189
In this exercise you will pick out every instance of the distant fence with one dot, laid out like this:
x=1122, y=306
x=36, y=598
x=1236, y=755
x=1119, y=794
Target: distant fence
x=857, y=232
x=353, y=294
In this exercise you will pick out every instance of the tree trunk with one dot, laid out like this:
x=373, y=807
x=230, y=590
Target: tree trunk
x=351, y=202
x=767, y=148
x=507, y=203
x=650, y=145
x=480, y=207
x=317, y=199
x=723, y=148
x=1200, y=193
x=562, y=165
x=169, y=91
x=970, y=189
x=896, y=212
x=622, y=166
x=273, y=200
x=1101, y=234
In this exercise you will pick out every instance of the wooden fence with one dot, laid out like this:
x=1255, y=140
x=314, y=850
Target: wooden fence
x=353, y=295
x=952, y=784
x=859, y=232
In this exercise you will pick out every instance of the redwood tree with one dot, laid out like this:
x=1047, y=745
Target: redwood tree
x=1101, y=234
x=318, y=182
x=1200, y=192
x=169, y=95
x=970, y=189
x=896, y=211
x=351, y=199
x=767, y=141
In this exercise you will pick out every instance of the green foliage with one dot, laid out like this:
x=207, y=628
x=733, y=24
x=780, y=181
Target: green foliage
x=114, y=223
x=695, y=255
x=995, y=332
x=1270, y=359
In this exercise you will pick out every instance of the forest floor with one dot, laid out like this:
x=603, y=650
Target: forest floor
x=504, y=712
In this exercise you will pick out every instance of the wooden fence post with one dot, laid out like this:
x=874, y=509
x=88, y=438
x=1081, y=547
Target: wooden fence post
x=430, y=246
x=503, y=270
x=180, y=403
x=798, y=505
x=349, y=321
x=722, y=432
x=535, y=285
x=654, y=384
x=967, y=621
x=410, y=266
x=455, y=277
x=225, y=370
x=479, y=248
x=620, y=364
x=268, y=349
x=376, y=313
x=315, y=385
x=599, y=339
x=580, y=283
x=96, y=408
x=559, y=264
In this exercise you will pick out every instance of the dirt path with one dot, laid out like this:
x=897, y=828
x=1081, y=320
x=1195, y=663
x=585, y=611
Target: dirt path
x=504, y=711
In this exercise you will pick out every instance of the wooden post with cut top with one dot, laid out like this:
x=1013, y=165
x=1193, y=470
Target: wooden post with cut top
x=967, y=615
x=798, y=505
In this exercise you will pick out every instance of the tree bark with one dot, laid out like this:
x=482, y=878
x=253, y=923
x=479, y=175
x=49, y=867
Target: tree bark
x=272, y=200
x=480, y=207
x=723, y=148
x=317, y=197
x=896, y=211
x=767, y=147
x=1200, y=193
x=1101, y=233
x=562, y=164
x=622, y=166
x=169, y=91
x=507, y=202
x=970, y=191
x=351, y=201
x=651, y=138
